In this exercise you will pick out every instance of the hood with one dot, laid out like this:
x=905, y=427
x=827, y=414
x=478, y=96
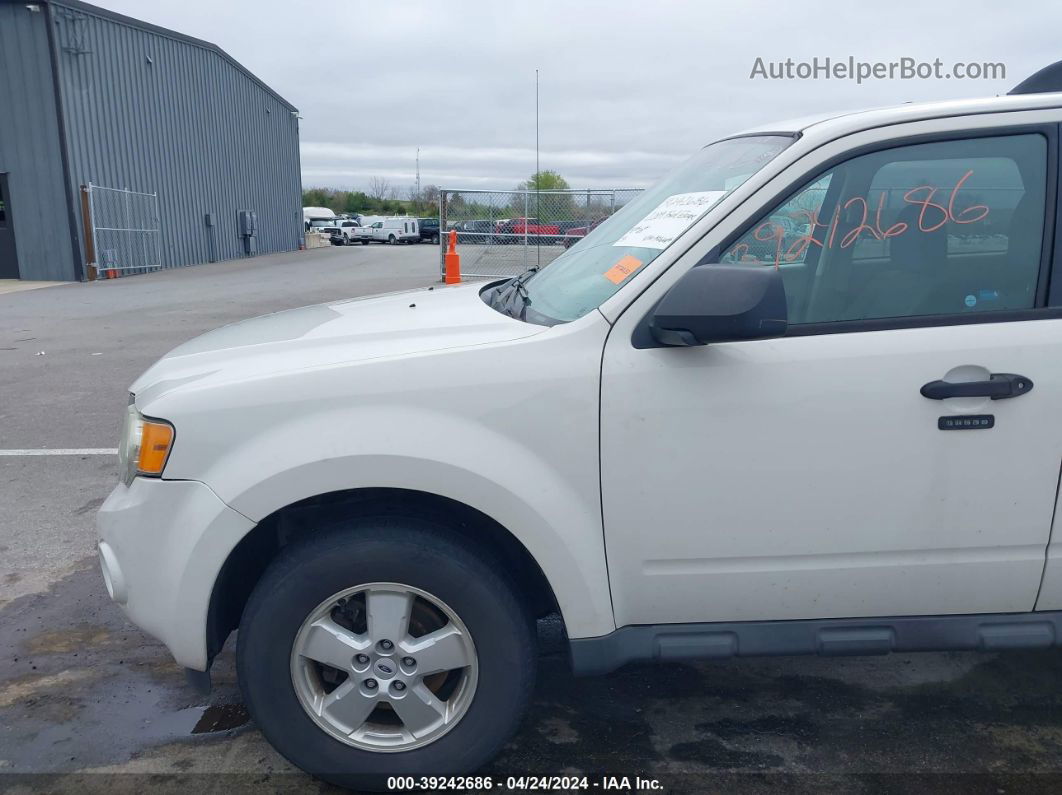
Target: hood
x=397, y=324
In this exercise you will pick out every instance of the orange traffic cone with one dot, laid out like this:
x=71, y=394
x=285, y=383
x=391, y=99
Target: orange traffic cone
x=453, y=260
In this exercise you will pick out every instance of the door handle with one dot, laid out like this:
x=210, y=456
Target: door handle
x=998, y=386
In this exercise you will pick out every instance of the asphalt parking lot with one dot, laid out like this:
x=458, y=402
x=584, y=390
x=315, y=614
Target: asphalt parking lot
x=87, y=701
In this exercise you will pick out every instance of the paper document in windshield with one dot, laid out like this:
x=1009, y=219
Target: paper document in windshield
x=673, y=216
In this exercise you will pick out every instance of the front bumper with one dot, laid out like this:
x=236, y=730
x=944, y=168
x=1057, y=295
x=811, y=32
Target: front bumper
x=162, y=544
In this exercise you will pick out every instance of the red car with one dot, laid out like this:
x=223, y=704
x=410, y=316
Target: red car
x=573, y=236
x=516, y=229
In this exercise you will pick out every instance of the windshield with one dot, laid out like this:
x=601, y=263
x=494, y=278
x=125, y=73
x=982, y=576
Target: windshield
x=598, y=265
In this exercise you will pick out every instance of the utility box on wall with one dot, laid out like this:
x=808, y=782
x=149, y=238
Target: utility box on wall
x=211, y=222
x=247, y=224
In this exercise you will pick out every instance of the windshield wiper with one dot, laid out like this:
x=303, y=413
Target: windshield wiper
x=511, y=297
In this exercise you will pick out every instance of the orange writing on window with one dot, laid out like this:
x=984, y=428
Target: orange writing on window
x=863, y=223
x=622, y=269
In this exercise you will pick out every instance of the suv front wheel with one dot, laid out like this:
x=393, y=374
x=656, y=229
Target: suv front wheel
x=386, y=648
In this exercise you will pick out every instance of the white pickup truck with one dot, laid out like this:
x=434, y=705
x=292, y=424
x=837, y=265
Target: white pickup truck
x=364, y=232
x=348, y=231
x=700, y=432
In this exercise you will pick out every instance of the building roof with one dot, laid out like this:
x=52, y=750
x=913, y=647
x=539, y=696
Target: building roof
x=139, y=24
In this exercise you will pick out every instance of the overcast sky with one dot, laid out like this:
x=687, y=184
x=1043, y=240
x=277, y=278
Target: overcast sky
x=628, y=89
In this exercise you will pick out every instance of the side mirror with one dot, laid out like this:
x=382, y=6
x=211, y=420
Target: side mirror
x=721, y=303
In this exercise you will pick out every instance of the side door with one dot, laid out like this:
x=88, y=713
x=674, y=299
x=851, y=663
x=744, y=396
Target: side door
x=808, y=476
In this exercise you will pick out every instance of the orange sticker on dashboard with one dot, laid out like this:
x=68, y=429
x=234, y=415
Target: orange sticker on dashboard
x=622, y=269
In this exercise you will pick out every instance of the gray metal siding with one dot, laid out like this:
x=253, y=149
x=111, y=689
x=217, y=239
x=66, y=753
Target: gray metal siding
x=30, y=146
x=157, y=112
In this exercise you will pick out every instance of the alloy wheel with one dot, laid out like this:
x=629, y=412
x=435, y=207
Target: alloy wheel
x=384, y=667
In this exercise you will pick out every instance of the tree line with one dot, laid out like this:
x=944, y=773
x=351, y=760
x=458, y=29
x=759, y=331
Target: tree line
x=382, y=198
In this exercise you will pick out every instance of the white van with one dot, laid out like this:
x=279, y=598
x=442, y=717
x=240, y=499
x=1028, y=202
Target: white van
x=310, y=214
x=397, y=229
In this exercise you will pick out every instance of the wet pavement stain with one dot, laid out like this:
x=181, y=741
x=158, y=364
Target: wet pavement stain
x=558, y=730
x=799, y=727
x=90, y=506
x=221, y=717
x=27, y=688
x=68, y=640
x=716, y=755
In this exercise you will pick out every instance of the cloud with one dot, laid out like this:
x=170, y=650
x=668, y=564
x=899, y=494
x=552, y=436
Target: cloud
x=352, y=165
x=627, y=89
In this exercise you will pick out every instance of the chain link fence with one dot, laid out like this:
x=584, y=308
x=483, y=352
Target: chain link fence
x=125, y=230
x=502, y=233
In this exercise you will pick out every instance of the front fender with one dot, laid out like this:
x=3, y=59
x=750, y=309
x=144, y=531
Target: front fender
x=557, y=521
x=520, y=445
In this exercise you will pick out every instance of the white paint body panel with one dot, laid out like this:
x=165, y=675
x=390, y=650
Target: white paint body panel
x=169, y=540
x=805, y=477
x=447, y=397
x=1050, y=597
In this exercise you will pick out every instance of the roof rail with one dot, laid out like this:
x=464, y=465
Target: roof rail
x=1045, y=81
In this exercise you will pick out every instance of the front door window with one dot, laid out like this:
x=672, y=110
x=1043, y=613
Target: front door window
x=940, y=228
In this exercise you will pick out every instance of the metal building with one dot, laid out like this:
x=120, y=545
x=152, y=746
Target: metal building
x=125, y=147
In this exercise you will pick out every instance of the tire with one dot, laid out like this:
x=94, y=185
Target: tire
x=392, y=240
x=435, y=240
x=383, y=554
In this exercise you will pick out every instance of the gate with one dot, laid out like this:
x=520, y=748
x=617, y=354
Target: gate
x=502, y=233
x=125, y=230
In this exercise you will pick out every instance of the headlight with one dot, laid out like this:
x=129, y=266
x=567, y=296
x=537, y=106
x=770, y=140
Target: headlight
x=145, y=445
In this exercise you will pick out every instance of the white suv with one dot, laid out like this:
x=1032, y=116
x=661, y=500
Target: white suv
x=799, y=397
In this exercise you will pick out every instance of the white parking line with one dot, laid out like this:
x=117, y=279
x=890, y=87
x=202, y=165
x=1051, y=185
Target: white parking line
x=65, y=451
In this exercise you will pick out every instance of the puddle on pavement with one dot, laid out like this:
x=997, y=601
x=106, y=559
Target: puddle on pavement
x=221, y=718
x=199, y=720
